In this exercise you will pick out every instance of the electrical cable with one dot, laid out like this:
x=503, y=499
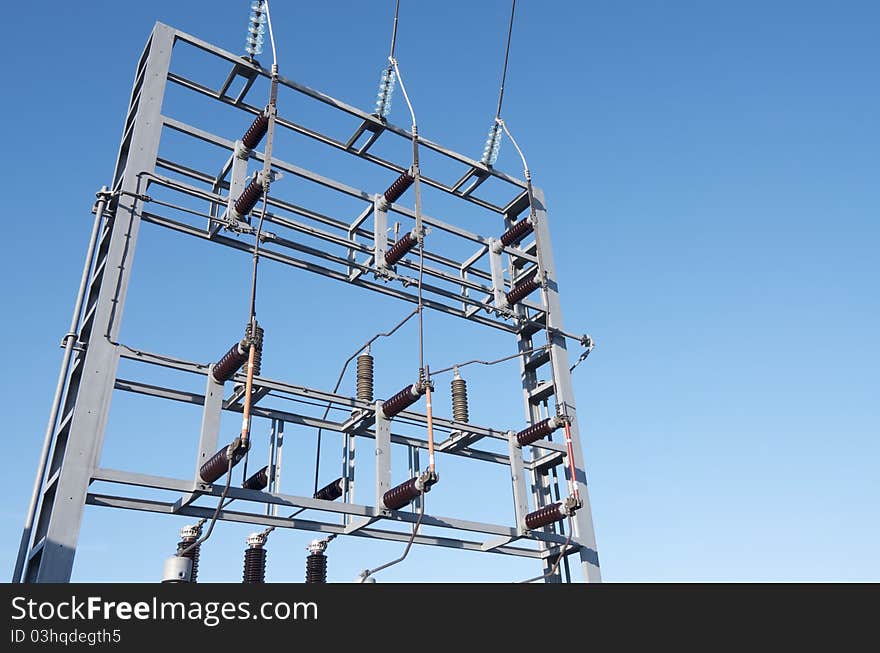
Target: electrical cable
x=559, y=556
x=383, y=334
x=494, y=362
x=506, y=56
x=266, y=181
x=216, y=514
x=583, y=356
x=394, y=31
x=366, y=573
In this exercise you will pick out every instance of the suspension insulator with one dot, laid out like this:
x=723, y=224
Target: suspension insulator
x=493, y=145
x=330, y=492
x=399, y=496
x=256, y=131
x=316, y=568
x=231, y=362
x=398, y=188
x=256, y=29
x=459, y=398
x=258, y=481
x=401, y=248
x=249, y=197
x=539, y=430
x=365, y=377
x=517, y=232
x=254, y=565
x=257, y=340
x=386, y=92
x=188, y=535
x=219, y=463
x=544, y=516
x=402, y=400
x=522, y=290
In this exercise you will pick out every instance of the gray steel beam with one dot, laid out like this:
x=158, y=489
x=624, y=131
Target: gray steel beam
x=383, y=455
x=78, y=455
x=149, y=505
x=583, y=519
x=290, y=501
x=78, y=438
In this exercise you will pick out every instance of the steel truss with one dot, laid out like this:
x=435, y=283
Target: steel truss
x=195, y=202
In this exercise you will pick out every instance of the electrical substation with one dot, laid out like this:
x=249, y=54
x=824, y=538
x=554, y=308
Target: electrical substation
x=479, y=256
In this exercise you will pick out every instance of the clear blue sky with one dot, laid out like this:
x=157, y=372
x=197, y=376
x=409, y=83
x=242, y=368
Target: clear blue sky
x=711, y=171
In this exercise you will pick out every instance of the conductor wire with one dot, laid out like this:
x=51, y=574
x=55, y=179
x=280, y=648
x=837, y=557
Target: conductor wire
x=506, y=56
x=420, y=230
x=394, y=31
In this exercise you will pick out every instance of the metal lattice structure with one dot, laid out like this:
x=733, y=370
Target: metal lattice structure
x=473, y=289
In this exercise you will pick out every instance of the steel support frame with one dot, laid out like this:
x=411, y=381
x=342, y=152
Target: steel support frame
x=78, y=437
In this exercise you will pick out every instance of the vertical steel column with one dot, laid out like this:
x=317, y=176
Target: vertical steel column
x=210, y=431
x=583, y=519
x=415, y=469
x=518, y=481
x=496, y=268
x=380, y=231
x=68, y=342
x=275, y=469
x=79, y=442
x=383, y=455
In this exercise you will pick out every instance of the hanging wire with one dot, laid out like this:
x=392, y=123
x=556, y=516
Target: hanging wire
x=493, y=139
x=494, y=362
x=216, y=514
x=506, y=57
x=559, y=556
x=367, y=573
x=394, y=31
x=271, y=33
x=384, y=334
x=583, y=356
x=252, y=313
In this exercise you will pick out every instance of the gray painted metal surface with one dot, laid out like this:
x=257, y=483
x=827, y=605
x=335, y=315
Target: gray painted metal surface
x=351, y=251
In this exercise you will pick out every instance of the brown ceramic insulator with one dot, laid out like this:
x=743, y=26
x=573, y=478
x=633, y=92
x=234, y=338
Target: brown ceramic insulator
x=316, y=568
x=522, y=290
x=544, y=516
x=398, y=188
x=217, y=464
x=397, y=497
x=231, y=362
x=459, y=400
x=256, y=131
x=517, y=232
x=536, y=431
x=249, y=196
x=258, y=481
x=258, y=347
x=365, y=378
x=254, y=565
x=330, y=492
x=400, y=249
x=192, y=554
x=402, y=400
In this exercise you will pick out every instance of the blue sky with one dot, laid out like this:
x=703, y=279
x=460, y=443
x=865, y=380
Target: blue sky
x=711, y=173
